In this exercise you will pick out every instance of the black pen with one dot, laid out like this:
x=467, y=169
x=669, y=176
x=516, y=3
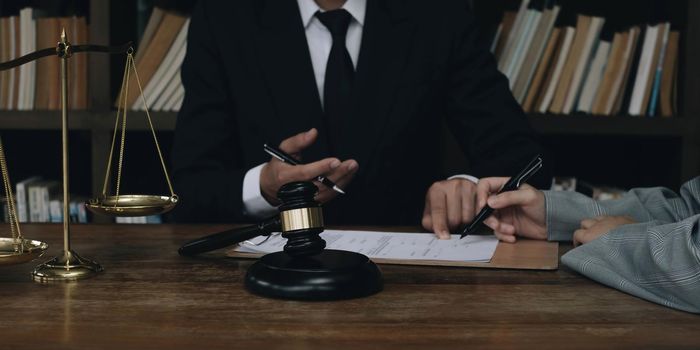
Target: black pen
x=286, y=158
x=512, y=185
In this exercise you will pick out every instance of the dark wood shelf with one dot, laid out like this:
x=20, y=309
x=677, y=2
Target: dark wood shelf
x=83, y=120
x=547, y=124
x=136, y=121
x=44, y=120
x=551, y=124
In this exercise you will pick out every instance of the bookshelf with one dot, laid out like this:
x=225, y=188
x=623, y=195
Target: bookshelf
x=624, y=151
x=621, y=150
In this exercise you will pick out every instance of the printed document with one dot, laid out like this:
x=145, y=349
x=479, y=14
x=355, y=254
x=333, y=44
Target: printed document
x=391, y=245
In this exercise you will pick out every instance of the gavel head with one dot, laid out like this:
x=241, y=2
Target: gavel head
x=301, y=218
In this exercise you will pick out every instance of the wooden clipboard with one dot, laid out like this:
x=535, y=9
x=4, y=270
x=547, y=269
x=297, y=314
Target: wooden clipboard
x=525, y=254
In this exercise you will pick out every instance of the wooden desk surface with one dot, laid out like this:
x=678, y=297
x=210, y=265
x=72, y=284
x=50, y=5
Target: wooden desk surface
x=151, y=298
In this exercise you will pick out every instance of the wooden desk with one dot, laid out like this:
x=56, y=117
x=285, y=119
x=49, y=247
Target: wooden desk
x=150, y=298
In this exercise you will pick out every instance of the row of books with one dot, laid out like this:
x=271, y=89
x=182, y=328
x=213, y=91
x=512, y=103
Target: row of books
x=39, y=200
x=153, y=219
x=554, y=67
x=36, y=85
x=158, y=60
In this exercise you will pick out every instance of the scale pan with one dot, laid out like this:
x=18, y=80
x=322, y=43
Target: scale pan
x=132, y=205
x=30, y=251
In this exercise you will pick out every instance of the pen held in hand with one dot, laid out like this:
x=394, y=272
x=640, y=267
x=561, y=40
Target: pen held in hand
x=286, y=158
x=512, y=185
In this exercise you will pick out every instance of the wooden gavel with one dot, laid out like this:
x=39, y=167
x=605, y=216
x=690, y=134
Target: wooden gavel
x=300, y=220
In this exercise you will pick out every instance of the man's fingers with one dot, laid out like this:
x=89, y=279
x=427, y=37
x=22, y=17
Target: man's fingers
x=492, y=222
x=492, y=184
x=309, y=171
x=505, y=237
x=454, y=209
x=499, y=226
x=469, y=198
x=427, y=221
x=438, y=213
x=506, y=228
x=343, y=174
x=483, y=192
x=299, y=142
x=513, y=198
x=503, y=231
x=580, y=237
x=588, y=223
x=324, y=194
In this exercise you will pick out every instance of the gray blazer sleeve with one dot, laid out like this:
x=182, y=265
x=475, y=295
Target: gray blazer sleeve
x=565, y=210
x=657, y=259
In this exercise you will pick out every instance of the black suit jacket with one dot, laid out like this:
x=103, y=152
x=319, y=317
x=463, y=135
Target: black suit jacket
x=248, y=79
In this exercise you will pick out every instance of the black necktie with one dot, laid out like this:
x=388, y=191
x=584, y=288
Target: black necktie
x=339, y=69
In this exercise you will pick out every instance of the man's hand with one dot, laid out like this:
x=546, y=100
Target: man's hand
x=276, y=173
x=448, y=205
x=519, y=212
x=598, y=226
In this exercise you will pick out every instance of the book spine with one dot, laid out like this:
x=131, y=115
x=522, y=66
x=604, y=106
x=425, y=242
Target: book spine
x=540, y=50
x=657, y=78
x=82, y=214
x=154, y=219
x=34, y=204
x=123, y=220
x=11, y=85
x=73, y=211
x=590, y=44
x=4, y=42
x=21, y=196
x=55, y=211
x=635, y=106
x=513, y=36
x=594, y=77
x=558, y=69
x=45, y=210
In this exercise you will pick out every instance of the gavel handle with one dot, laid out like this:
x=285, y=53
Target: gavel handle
x=229, y=237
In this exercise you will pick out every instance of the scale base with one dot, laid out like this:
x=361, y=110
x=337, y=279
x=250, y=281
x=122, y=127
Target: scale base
x=68, y=267
x=329, y=275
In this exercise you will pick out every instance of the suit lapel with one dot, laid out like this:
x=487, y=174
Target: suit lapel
x=385, y=40
x=288, y=72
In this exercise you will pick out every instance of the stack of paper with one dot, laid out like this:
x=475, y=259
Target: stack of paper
x=391, y=245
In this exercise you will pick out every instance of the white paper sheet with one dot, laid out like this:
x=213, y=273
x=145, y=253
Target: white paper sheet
x=392, y=245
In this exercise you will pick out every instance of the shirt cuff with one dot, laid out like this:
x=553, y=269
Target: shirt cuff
x=473, y=179
x=254, y=203
x=564, y=211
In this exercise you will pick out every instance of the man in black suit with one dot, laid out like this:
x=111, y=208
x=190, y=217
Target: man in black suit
x=360, y=88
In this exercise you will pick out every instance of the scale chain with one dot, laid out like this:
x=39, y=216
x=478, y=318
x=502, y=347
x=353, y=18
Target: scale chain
x=12, y=210
x=121, y=114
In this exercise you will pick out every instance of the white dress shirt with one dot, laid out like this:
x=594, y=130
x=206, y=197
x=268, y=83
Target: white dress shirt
x=319, y=39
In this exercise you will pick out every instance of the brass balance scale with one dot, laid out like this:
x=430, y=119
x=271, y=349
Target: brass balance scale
x=70, y=266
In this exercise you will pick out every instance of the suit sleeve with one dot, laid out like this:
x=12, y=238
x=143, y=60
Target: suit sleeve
x=207, y=168
x=485, y=118
x=565, y=210
x=657, y=259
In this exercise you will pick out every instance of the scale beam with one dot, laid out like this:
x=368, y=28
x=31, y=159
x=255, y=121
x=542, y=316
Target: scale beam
x=70, y=266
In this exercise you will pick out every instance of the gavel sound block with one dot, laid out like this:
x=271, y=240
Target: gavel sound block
x=305, y=270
